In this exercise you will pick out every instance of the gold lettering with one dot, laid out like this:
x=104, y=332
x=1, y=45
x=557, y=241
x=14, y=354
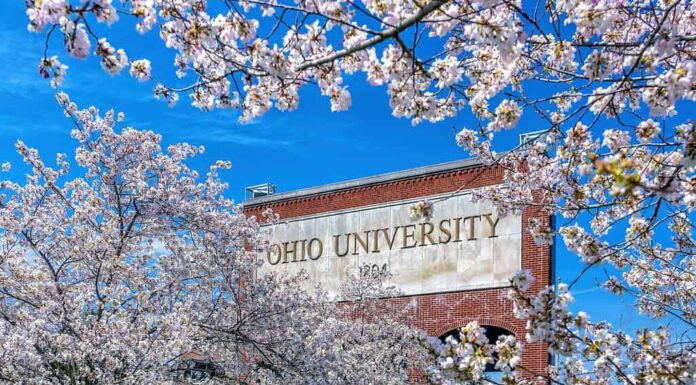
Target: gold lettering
x=492, y=224
x=445, y=231
x=363, y=242
x=406, y=235
x=337, y=249
x=472, y=235
x=274, y=247
x=302, y=251
x=390, y=241
x=375, y=241
x=426, y=234
x=368, y=241
x=457, y=233
x=292, y=251
x=316, y=256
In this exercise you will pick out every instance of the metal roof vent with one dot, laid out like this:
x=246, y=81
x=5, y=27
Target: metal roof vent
x=259, y=190
x=526, y=139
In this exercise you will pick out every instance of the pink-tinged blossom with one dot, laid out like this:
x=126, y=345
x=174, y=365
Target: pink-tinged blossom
x=446, y=71
x=540, y=231
x=422, y=210
x=647, y=130
x=164, y=93
x=576, y=239
x=523, y=280
x=55, y=70
x=616, y=139
x=112, y=60
x=45, y=12
x=508, y=351
x=76, y=41
x=507, y=114
x=146, y=13
x=104, y=11
x=340, y=99
x=140, y=69
x=562, y=56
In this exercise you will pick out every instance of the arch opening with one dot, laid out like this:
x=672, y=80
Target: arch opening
x=492, y=333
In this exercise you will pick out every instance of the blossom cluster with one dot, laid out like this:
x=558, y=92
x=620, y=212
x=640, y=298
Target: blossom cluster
x=593, y=352
x=467, y=357
x=256, y=55
x=421, y=210
x=587, y=352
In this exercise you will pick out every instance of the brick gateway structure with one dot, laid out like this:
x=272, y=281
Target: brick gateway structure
x=453, y=269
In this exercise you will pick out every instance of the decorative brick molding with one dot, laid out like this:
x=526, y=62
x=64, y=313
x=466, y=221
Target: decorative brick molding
x=432, y=184
x=483, y=321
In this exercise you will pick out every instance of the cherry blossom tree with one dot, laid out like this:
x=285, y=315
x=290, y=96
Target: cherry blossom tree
x=140, y=271
x=610, y=84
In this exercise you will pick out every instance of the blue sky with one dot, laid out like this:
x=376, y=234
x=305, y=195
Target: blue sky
x=307, y=147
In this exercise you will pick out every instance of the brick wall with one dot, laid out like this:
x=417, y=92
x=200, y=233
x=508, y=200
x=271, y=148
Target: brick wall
x=439, y=313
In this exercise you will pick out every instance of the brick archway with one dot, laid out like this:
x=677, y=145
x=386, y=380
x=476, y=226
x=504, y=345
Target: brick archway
x=482, y=321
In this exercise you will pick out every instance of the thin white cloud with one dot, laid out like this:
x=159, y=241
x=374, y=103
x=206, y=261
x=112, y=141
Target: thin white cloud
x=21, y=53
x=13, y=125
x=576, y=293
x=221, y=135
x=222, y=127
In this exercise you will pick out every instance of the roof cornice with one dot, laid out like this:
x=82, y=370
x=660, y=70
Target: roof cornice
x=365, y=182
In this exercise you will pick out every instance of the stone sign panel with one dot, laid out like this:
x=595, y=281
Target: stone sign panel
x=464, y=245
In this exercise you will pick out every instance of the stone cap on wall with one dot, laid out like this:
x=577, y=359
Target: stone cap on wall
x=367, y=181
